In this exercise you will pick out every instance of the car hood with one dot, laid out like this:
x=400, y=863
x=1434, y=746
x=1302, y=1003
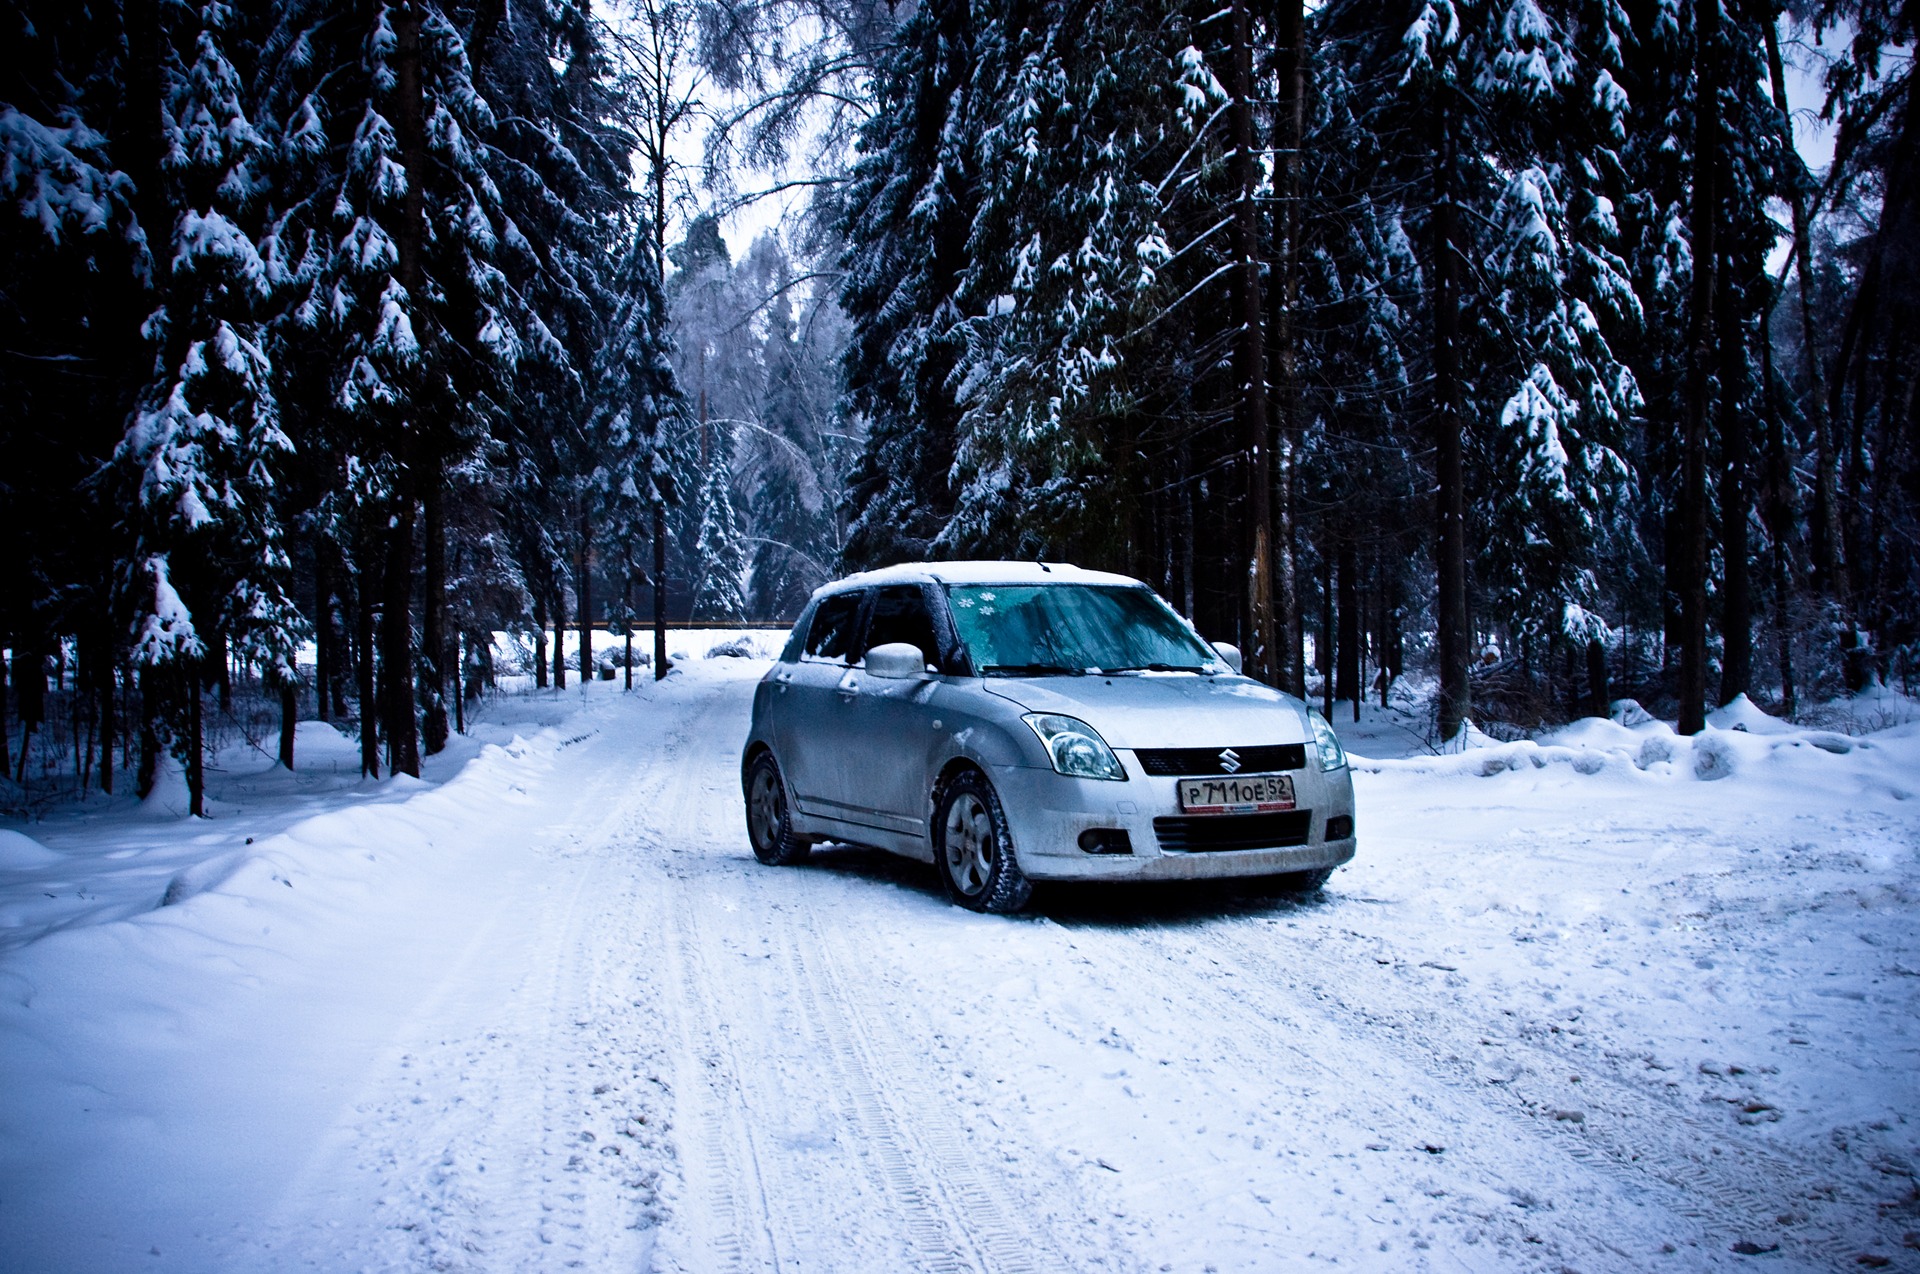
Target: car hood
x=1175, y=710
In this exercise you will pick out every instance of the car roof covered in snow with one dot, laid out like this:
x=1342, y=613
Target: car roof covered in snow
x=980, y=573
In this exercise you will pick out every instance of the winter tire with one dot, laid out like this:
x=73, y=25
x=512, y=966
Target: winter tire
x=769, y=822
x=972, y=850
x=1298, y=884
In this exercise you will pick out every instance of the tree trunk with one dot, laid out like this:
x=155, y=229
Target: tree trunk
x=1329, y=653
x=559, y=635
x=221, y=664
x=1186, y=526
x=659, y=590
x=396, y=642
x=539, y=642
x=289, y=716
x=1289, y=135
x=1347, y=665
x=109, y=727
x=1691, y=576
x=1250, y=363
x=627, y=623
x=433, y=609
x=6, y=744
x=324, y=670
x=1450, y=548
x=149, y=763
x=586, y=600
x=397, y=673
x=1825, y=530
x=196, y=745
x=1736, y=502
x=459, y=684
x=1389, y=631
x=30, y=689
x=1599, y=693
x=364, y=664
x=1780, y=514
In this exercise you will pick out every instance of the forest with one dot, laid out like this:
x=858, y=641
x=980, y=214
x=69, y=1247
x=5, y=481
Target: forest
x=1512, y=346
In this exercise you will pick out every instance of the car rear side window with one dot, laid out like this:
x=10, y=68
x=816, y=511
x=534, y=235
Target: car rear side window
x=900, y=614
x=831, y=636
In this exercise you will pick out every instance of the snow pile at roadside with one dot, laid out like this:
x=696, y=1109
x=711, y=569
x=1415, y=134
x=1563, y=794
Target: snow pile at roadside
x=1739, y=739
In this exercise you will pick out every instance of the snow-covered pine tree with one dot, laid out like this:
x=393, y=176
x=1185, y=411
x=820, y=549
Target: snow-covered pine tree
x=1873, y=383
x=719, y=566
x=906, y=212
x=205, y=439
x=1084, y=120
x=1498, y=140
x=1554, y=469
x=424, y=327
x=75, y=270
x=717, y=362
x=639, y=418
x=788, y=468
x=561, y=163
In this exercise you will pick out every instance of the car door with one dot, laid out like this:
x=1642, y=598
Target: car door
x=812, y=702
x=890, y=720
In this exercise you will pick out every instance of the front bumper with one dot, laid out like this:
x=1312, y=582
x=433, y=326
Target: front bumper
x=1046, y=813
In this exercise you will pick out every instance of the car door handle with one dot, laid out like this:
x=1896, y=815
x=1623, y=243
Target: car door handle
x=849, y=686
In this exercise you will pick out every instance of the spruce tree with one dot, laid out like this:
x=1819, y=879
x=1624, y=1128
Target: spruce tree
x=205, y=442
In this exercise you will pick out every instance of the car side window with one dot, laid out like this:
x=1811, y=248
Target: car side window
x=797, y=639
x=831, y=635
x=900, y=614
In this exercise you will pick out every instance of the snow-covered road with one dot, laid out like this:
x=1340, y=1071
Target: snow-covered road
x=1568, y=1009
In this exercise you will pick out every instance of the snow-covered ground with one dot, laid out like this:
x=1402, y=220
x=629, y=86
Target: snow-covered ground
x=1609, y=1000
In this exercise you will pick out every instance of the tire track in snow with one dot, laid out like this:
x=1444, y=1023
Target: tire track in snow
x=938, y=1209
x=908, y=1124
x=756, y=1208
x=723, y=1158
x=1267, y=1036
x=484, y=1076
x=711, y=1137
x=1636, y=1140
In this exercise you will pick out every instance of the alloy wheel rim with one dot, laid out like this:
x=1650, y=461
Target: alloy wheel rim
x=766, y=809
x=970, y=843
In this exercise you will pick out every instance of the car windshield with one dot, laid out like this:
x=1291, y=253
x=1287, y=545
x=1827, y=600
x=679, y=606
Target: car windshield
x=1026, y=630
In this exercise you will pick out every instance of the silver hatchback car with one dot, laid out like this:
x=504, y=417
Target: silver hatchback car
x=1013, y=722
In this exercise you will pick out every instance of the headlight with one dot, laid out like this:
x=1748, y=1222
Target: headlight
x=1332, y=756
x=1076, y=747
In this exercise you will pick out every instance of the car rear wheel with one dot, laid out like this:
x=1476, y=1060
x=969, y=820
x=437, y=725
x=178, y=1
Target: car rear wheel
x=973, y=850
x=769, y=824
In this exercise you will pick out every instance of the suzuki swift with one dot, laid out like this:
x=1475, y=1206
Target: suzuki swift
x=1013, y=721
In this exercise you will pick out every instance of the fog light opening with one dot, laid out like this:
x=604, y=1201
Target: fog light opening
x=1106, y=840
x=1339, y=827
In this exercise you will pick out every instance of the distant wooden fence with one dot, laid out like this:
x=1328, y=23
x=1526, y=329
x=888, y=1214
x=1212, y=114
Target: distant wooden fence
x=646, y=626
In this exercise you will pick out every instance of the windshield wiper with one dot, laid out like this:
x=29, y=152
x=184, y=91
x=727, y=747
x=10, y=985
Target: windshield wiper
x=1032, y=670
x=1157, y=667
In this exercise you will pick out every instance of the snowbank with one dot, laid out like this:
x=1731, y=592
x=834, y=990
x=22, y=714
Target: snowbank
x=1739, y=740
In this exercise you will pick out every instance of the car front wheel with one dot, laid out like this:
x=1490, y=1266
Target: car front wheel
x=1298, y=884
x=973, y=850
x=769, y=824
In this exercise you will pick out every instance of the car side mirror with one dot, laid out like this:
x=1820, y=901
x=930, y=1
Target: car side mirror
x=896, y=660
x=1228, y=652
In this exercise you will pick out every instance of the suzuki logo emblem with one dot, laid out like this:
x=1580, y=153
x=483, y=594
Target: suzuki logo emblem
x=1229, y=760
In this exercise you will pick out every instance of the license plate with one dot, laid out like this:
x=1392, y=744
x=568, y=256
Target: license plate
x=1240, y=794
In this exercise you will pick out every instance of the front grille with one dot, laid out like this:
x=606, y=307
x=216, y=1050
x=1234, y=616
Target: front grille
x=1268, y=759
x=1233, y=831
